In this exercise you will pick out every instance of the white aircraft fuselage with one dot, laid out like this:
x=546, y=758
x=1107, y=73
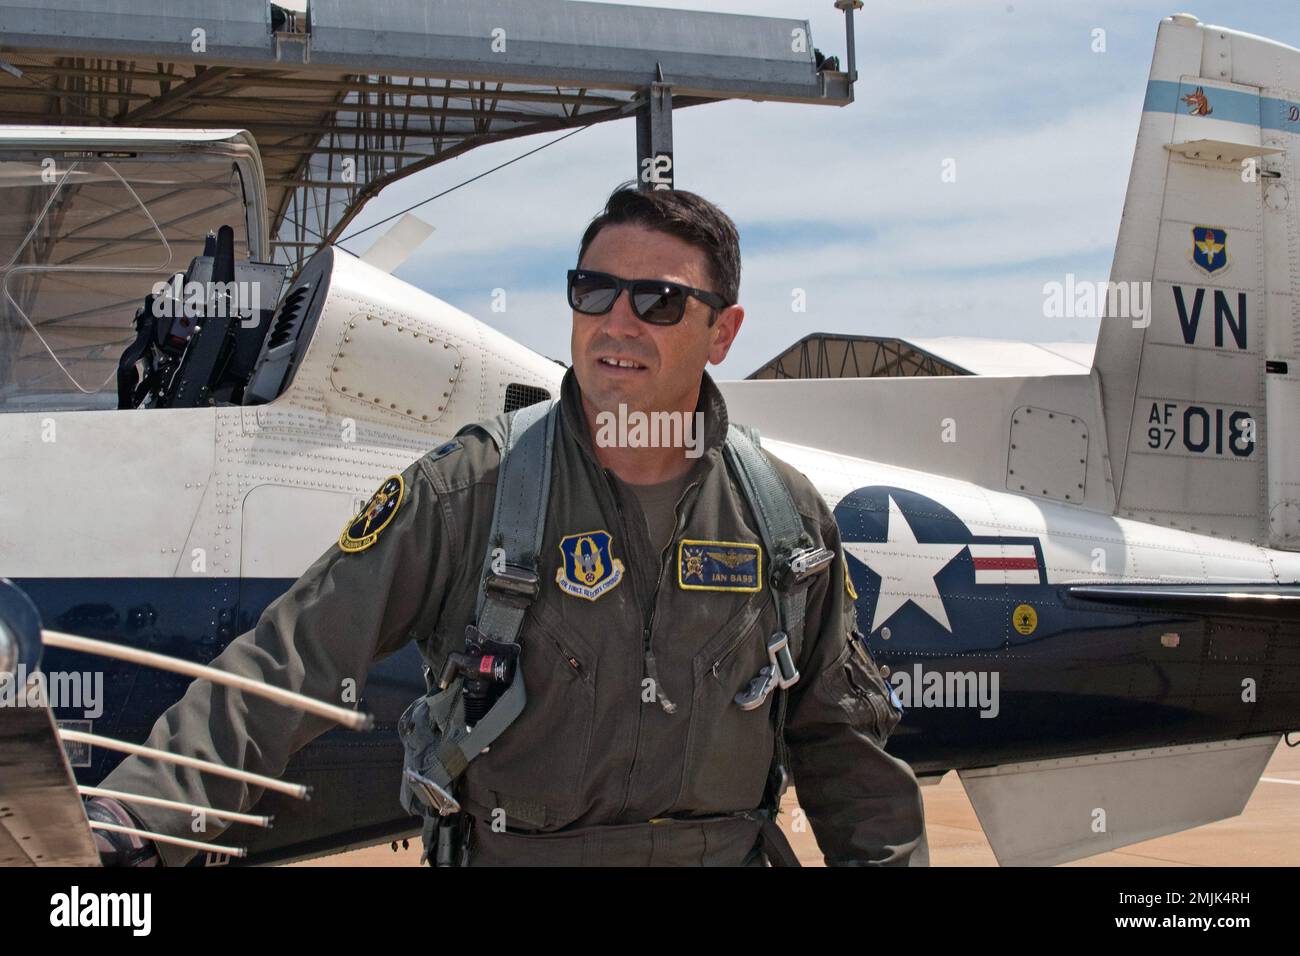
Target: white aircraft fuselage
x=1080, y=586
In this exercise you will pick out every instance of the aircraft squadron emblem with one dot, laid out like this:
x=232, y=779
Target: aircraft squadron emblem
x=363, y=530
x=1198, y=104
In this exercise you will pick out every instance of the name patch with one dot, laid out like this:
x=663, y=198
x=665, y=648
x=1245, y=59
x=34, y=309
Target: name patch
x=719, y=566
x=590, y=568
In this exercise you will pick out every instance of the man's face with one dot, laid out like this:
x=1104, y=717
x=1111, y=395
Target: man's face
x=669, y=358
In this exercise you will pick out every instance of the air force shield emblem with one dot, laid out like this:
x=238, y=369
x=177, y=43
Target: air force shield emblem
x=1209, y=248
x=590, y=568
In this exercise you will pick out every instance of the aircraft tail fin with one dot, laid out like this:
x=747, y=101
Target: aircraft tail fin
x=1198, y=358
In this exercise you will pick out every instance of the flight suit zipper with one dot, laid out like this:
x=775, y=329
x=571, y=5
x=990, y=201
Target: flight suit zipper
x=649, y=669
x=648, y=635
x=636, y=589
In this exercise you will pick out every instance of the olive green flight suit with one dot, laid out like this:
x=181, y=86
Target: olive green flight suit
x=594, y=756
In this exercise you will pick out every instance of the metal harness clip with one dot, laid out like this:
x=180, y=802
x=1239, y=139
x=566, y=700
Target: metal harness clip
x=434, y=796
x=780, y=671
x=513, y=581
x=801, y=565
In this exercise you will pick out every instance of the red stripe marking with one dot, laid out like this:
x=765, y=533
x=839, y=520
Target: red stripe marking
x=1006, y=564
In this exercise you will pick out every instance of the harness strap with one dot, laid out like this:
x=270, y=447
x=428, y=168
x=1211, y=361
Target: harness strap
x=779, y=523
x=789, y=544
x=508, y=585
x=510, y=581
x=518, y=521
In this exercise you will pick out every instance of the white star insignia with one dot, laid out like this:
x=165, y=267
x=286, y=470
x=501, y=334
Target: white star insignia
x=907, y=569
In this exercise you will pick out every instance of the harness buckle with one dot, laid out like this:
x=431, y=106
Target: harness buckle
x=780, y=671
x=778, y=653
x=799, y=565
x=514, y=582
x=488, y=668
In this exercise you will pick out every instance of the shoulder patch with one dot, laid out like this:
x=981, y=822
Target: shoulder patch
x=364, y=528
x=590, y=568
x=848, y=581
x=719, y=566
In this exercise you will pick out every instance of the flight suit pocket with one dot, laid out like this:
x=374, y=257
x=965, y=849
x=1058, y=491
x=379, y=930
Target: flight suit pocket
x=535, y=770
x=729, y=750
x=854, y=684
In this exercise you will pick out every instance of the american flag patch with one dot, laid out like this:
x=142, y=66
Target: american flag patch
x=1005, y=564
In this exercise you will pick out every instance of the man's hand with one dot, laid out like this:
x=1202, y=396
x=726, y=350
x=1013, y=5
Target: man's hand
x=119, y=849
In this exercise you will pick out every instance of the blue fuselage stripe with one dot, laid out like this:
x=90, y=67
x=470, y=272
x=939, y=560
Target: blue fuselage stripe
x=1234, y=106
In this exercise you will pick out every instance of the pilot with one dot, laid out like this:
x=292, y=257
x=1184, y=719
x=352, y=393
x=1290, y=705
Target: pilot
x=650, y=734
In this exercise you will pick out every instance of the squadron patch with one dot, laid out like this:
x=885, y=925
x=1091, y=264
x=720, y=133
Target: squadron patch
x=590, y=568
x=719, y=566
x=363, y=530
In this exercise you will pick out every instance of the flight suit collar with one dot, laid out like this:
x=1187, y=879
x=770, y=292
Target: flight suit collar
x=711, y=403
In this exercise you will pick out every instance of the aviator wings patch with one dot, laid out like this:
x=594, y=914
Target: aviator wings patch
x=719, y=566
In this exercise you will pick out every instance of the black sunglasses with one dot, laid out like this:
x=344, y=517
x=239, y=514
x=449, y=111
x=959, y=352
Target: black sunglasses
x=656, y=301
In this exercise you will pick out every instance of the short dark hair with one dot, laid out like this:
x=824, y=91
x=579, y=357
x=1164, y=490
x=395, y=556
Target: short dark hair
x=683, y=214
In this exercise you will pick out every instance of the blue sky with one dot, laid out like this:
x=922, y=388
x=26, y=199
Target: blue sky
x=848, y=203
